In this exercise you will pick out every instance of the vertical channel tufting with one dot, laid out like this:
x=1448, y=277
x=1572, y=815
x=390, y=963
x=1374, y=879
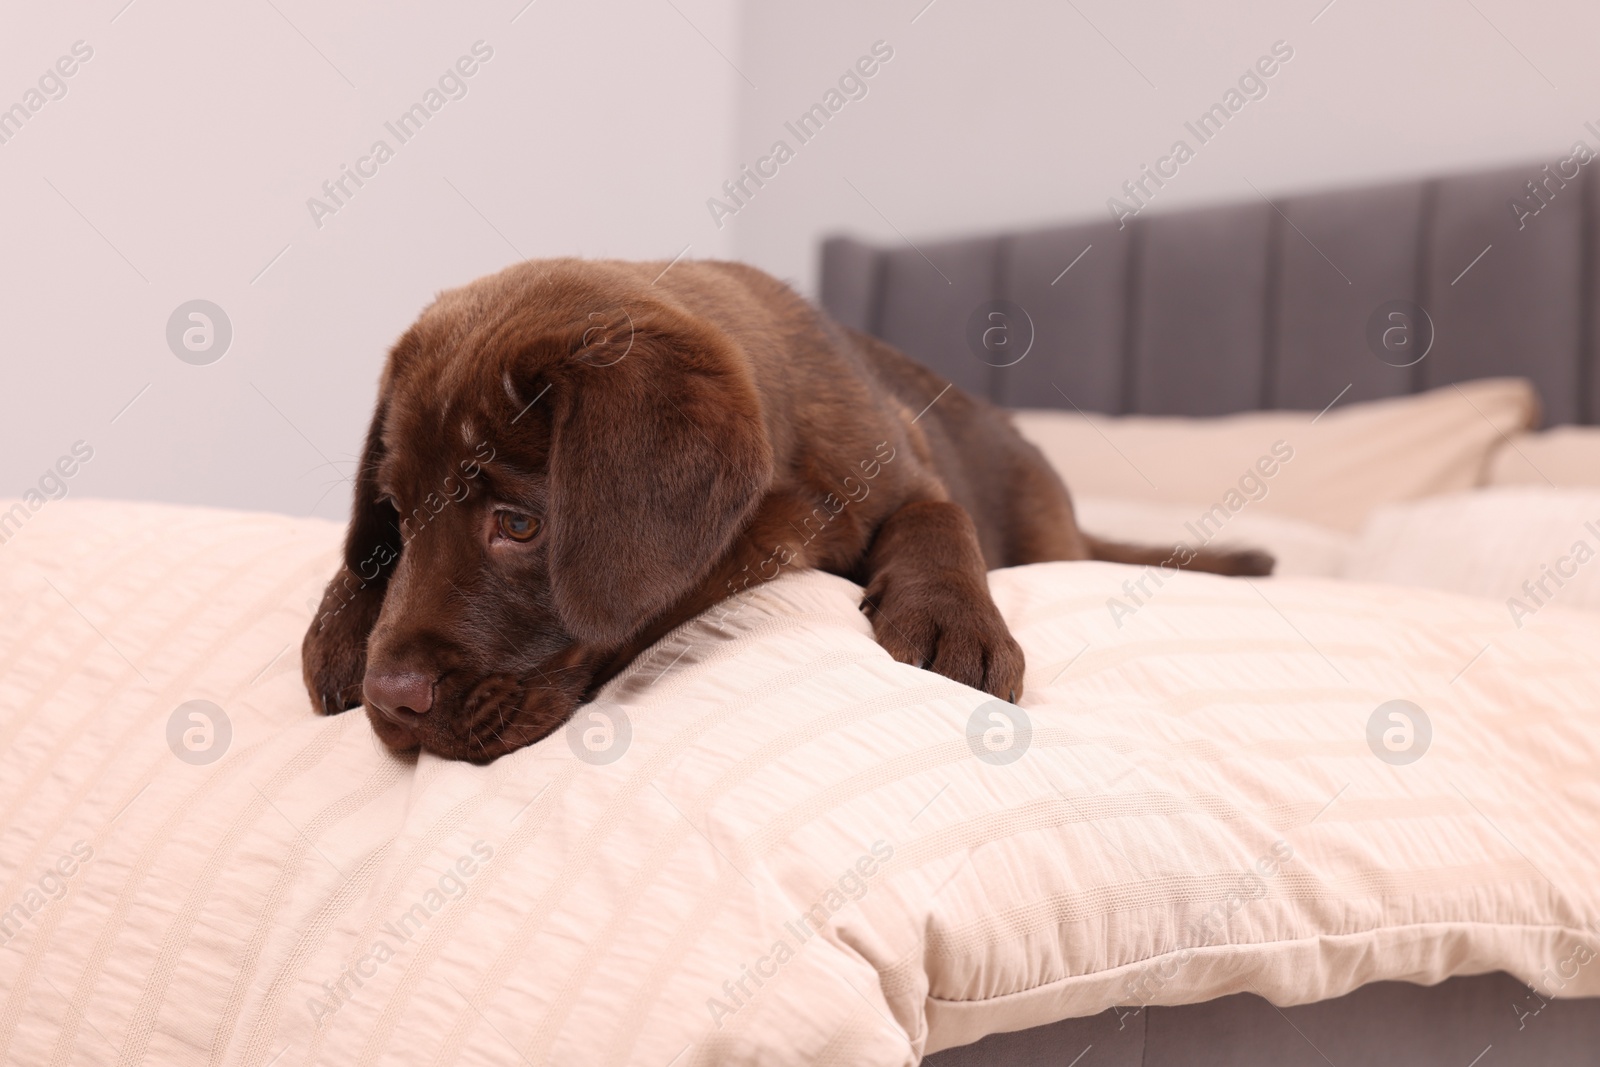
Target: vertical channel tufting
x=1342, y=257
x=1271, y=297
x=879, y=283
x=1588, y=409
x=1132, y=305
x=929, y=293
x=848, y=284
x=1160, y=317
x=1072, y=281
x=1001, y=284
x=1427, y=223
x=1201, y=281
x=1505, y=291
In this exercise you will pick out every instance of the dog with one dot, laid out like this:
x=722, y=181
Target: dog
x=570, y=458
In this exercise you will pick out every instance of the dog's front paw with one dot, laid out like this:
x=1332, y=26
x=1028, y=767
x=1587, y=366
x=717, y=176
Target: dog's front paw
x=948, y=629
x=333, y=655
x=333, y=672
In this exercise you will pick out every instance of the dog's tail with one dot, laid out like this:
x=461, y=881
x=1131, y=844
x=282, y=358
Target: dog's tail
x=1234, y=562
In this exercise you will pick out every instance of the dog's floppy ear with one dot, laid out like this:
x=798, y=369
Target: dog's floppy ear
x=656, y=462
x=333, y=656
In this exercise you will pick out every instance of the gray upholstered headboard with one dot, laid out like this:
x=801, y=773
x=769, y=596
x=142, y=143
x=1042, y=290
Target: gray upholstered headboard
x=1257, y=305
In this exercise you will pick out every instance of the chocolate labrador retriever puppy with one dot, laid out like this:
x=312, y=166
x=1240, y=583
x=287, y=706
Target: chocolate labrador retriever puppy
x=570, y=458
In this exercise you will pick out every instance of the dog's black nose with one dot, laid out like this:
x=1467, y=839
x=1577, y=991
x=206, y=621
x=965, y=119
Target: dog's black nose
x=399, y=695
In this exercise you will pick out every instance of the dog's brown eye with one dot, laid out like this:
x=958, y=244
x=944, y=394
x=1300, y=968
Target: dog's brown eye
x=517, y=526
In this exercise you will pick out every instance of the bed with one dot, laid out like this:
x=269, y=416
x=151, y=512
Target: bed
x=1343, y=814
x=1311, y=302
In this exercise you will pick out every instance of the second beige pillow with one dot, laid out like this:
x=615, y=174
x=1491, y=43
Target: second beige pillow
x=1331, y=469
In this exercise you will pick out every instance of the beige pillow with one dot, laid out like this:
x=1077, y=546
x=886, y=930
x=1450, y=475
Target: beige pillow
x=1565, y=457
x=799, y=852
x=1527, y=547
x=1331, y=468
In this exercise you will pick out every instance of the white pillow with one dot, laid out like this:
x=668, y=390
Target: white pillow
x=802, y=852
x=1331, y=469
x=1529, y=548
x=1298, y=547
x=1566, y=457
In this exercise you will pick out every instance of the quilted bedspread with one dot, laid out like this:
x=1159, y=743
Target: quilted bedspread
x=767, y=842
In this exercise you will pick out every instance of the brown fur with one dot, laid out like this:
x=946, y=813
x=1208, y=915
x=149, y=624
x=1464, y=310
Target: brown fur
x=681, y=440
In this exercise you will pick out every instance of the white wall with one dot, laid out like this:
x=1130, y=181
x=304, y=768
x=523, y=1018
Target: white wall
x=1011, y=114
x=179, y=163
x=191, y=141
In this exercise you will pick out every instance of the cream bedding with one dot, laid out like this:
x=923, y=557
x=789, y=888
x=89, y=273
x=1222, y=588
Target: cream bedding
x=1527, y=547
x=798, y=856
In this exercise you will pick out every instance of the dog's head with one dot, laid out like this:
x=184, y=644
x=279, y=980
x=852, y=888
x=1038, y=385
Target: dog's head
x=559, y=455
